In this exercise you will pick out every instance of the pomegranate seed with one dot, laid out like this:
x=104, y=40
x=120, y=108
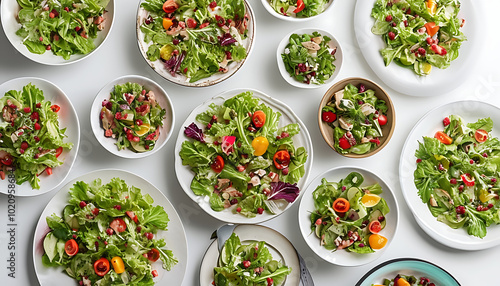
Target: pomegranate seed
x=471, y=161
x=260, y=210
x=393, y=24
x=246, y=263
x=422, y=52
x=185, y=70
x=319, y=221
x=27, y=109
x=82, y=204
x=388, y=18
x=36, y=156
x=77, y=28
x=238, y=209
x=361, y=245
x=175, y=41
x=41, y=39
x=48, y=47
x=391, y=35
x=95, y=211
x=419, y=160
x=493, y=180
x=38, y=105
x=485, y=155
x=490, y=206
x=96, y=245
x=381, y=218
x=109, y=231
x=66, y=9
x=24, y=145
x=430, y=41
x=460, y=209
x=461, y=188
x=337, y=219
x=453, y=181
x=285, y=171
x=117, y=207
x=148, y=235
x=405, y=23
x=446, y=121
x=440, y=167
x=233, y=201
x=343, y=188
x=138, y=122
x=37, y=126
x=138, y=229
x=213, y=4
x=269, y=281
x=105, y=243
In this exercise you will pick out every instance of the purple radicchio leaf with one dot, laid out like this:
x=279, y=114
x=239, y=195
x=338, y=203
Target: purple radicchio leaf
x=174, y=63
x=281, y=190
x=193, y=131
x=226, y=39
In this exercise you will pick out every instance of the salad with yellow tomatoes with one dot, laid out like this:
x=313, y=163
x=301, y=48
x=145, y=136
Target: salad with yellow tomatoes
x=241, y=159
x=419, y=34
x=406, y=280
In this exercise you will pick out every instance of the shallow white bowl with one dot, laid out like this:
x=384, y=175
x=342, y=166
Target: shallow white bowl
x=180, y=79
x=185, y=175
x=343, y=257
x=163, y=100
x=267, y=6
x=339, y=58
x=67, y=119
x=10, y=9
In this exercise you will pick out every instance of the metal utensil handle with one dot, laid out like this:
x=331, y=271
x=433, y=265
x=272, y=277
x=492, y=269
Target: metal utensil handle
x=305, y=276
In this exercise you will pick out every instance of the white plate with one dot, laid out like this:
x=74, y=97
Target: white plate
x=67, y=119
x=181, y=79
x=431, y=122
x=175, y=237
x=271, y=11
x=9, y=11
x=408, y=266
x=280, y=248
x=343, y=257
x=405, y=80
x=185, y=175
x=163, y=100
x=339, y=58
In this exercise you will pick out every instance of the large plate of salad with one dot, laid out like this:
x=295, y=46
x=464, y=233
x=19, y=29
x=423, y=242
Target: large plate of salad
x=348, y=216
x=450, y=186
x=384, y=273
x=297, y=10
x=57, y=32
x=414, y=55
x=195, y=43
x=243, y=179
x=42, y=136
x=279, y=257
x=88, y=204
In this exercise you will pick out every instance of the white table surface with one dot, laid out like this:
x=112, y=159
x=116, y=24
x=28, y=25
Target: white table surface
x=120, y=56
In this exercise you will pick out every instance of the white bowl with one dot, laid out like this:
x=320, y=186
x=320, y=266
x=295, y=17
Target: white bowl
x=271, y=11
x=344, y=257
x=10, y=9
x=67, y=119
x=181, y=79
x=339, y=58
x=163, y=100
x=185, y=175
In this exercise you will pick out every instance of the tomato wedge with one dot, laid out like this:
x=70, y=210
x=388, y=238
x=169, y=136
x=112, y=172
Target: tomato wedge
x=300, y=6
x=468, y=180
x=101, y=266
x=118, y=225
x=431, y=28
x=328, y=116
x=481, y=135
x=218, y=164
x=153, y=255
x=49, y=170
x=170, y=6
x=443, y=138
x=375, y=226
x=7, y=161
x=259, y=118
x=59, y=151
x=71, y=247
x=132, y=215
x=55, y=108
x=341, y=205
x=281, y=159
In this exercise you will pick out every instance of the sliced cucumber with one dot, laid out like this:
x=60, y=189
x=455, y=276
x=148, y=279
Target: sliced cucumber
x=138, y=147
x=50, y=246
x=69, y=217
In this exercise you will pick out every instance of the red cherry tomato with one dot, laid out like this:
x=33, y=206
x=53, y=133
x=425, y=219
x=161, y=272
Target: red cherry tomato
x=328, y=116
x=55, y=108
x=382, y=120
x=49, y=170
x=71, y=247
x=7, y=161
x=191, y=23
x=443, y=138
x=118, y=225
x=153, y=255
x=375, y=226
x=481, y=135
x=218, y=164
x=300, y=6
x=170, y=6
x=132, y=215
x=101, y=266
x=468, y=180
x=259, y=118
x=341, y=205
x=344, y=144
x=59, y=151
x=281, y=159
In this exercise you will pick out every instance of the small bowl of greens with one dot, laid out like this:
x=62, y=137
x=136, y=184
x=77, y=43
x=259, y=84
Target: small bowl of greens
x=309, y=58
x=57, y=33
x=297, y=10
x=132, y=117
x=356, y=117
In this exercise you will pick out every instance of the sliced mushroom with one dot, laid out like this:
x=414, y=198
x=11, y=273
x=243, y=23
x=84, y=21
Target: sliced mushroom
x=317, y=40
x=311, y=46
x=433, y=202
x=367, y=109
x=255, y=181
x=344, y=124
x=338, y=97
x=223, y=184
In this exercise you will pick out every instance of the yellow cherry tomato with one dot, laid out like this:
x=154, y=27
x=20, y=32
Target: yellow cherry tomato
x=377, y=241
x=167, y=22
x=431, y=7
x=118, y=265
x=260, y=145
x=402, y=282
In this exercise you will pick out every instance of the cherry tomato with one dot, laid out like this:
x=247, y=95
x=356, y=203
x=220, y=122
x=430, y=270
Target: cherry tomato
x=132, y=215
x=191, y=23
x=154, y=273
x=118, y=264
x=377, y=241
x=300, y=6
x=218, y=164
x=59, y=151
x=55, y=108
x=101, y=266
x=443, y=138
x=344, y=144
x=468, y=179
x=71, y=247
x=259, y=118
x=281, y=159
x=481, y=135
x=328, y=116
x=170, y=6
x=260, y=145
x=49, y=170
x=341, y=205
x=7, y=161
x=382, y=120
x=118, y=225
x=375, y=226
x=431, y=28
x=153, y=255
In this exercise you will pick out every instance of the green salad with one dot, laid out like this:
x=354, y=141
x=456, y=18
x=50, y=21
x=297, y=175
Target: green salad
x=30, y=137
x=242, y=159
x=349, y=216
x=458, y=172
x=107, y=235
x=309, y=58
x=196, y=38
x=419, y=34
x=133, y=116
x=406, y=280
x=357, y=117
x=65, y=27
x=299, y=8
x=248, y=265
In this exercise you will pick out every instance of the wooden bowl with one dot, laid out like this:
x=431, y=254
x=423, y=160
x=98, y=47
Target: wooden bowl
x=380, y=93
